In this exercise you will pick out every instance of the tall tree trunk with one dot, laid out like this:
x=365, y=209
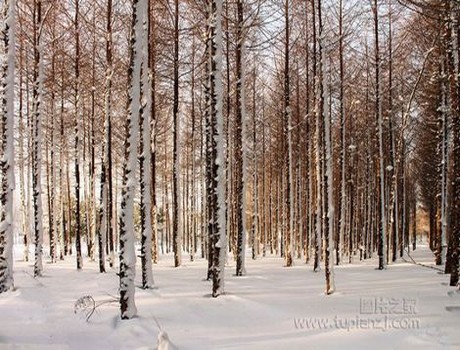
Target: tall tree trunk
x=239, y=136
x=379, y=119
x=454, y=207
x=289, y=172
x=51, y=164
x=63, y=231
x=176, y=230
x=7, y=145
x=192, y=196
x=111, y=226
x=255, y=184
x=78, y=117
x=343, y=144
x=328, y=174
x=92, y=214
x=22, y=135
x=145, y=155
x=126, y=219
x=318, y=148
x=37, y=135
x=106, y=211
x=152, y=68
x=217, y=206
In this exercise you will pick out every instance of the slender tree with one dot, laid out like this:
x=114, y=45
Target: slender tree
x=454, y=207
x=217, y=205
x=239, y=169
x=328, y=174
x=7, y=16
x=126, y=219
x=37, y=136
x=77, y=143
x=177, y=234
x=379, y=120
x=287, y=122
x=145, y=155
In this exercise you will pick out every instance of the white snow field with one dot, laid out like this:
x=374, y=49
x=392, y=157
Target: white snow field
x=406, y=306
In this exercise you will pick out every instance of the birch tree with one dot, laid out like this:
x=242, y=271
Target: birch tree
x=328, y=175
x=77, y=140
x=36, y=137
x=7, y=55
x=343, y=148
x=454, y=208
x=289, y=172
x=217, y=205
x=145, y=155
x=177, y=234
x=239, y=139
x=126, y=218
x=379, y=120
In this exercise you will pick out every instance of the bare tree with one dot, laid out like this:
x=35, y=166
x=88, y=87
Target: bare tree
x=7, y=144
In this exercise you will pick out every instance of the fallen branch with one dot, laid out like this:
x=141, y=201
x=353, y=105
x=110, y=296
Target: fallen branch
x=420, y=264
x=87, y=305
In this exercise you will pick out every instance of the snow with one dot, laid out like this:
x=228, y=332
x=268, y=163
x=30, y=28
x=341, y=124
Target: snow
x=164, y=343
x=258, y=311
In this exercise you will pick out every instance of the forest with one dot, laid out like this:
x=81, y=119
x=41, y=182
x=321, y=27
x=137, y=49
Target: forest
x=323, y=132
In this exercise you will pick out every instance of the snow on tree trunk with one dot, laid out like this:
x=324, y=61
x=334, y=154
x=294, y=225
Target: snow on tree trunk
x=108, y=138
x=318, y=148
x=51, y=164
x=22, y=134
x=152, y=66
x=102, y=232
x=289, y=194
x=379, y=118
x=218, y=206
x=454, y=207
x=52, y=199
x=106, y=211
x=343, y=134
x=177, y=232
x=393, y=211
x=6, y=144
x=239, y=139
x=62, y=209
x=328, y=175
x=208, y=169
x=126, y=219
x=37, y=135
x=255, y=180
x=145, y=157
x=77, y=146
x=445, y=111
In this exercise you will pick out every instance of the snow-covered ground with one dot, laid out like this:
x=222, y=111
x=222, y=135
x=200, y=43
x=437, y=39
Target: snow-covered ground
x=404, y=307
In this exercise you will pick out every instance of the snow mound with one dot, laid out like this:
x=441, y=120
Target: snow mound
x=164, y=343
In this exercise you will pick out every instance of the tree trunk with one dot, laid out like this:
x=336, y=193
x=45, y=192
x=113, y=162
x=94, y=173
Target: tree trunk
x=176, y=230
x=37, y=135
x=379, y=119
x=239, y=137
x=78, y=117
x=126, y=219
x=145, y=155
x=7, y=146
x=217, y=206
x=289, y=176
